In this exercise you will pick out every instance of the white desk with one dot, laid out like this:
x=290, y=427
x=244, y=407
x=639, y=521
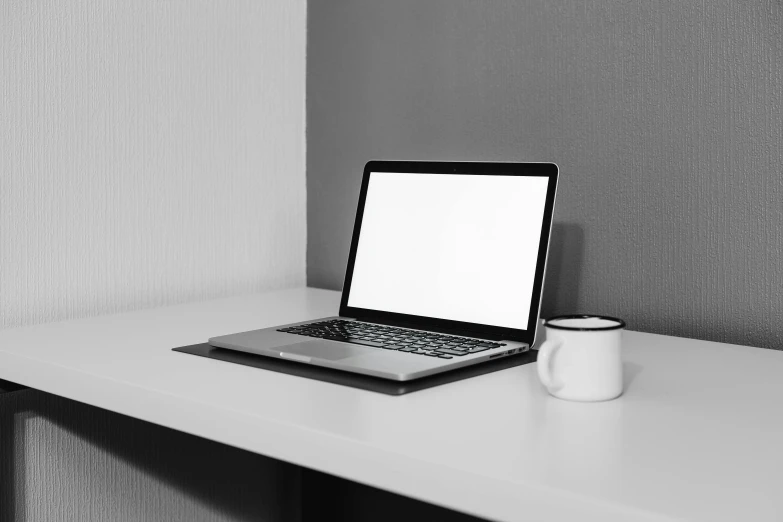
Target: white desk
x=697, y=436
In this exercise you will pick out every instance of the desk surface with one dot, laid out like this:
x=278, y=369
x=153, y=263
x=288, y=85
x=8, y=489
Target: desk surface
x=697, y=435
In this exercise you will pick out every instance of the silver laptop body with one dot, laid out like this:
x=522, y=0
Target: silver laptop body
x=445, y=270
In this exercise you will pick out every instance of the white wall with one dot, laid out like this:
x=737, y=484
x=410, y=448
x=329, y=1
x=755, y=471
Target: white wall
x=151, y=152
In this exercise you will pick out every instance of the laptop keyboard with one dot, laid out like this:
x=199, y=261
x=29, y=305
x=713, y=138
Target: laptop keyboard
x=416, y=342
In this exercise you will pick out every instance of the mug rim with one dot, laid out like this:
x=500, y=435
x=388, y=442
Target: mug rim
x=620, y=323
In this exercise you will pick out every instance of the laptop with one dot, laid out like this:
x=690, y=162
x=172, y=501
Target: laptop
x=445, y=270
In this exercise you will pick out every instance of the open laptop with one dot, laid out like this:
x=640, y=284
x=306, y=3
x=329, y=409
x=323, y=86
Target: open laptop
x=445, y=270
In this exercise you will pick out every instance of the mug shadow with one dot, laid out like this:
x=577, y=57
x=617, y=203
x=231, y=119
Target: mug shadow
x=630, y=372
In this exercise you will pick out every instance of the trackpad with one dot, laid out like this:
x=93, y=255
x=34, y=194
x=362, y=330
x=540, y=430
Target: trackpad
x=323, y=350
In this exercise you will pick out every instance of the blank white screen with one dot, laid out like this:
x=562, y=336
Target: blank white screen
x=458, y=247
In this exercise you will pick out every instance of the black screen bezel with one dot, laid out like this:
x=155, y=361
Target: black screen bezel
x=548, y=170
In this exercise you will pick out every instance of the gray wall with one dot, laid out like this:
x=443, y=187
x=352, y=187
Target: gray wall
x=665, y=119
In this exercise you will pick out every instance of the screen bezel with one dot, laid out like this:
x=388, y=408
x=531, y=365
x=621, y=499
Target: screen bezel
x=548, y=170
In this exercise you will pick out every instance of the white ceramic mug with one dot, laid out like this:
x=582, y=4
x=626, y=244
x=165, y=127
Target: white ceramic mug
x=580, y=359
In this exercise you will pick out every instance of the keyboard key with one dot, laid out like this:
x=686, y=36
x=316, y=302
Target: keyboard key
x=476, y=349
x=393, y=346
x=366, y=343
x=445, y=357
x=335, y=338
x=450, y=351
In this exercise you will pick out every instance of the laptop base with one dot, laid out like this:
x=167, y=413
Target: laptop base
x=354, y=380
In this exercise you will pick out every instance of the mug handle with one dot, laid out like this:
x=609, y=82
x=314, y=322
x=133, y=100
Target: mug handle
x=545, y=352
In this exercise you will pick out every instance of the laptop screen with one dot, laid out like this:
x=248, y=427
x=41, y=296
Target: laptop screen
x=459, y=247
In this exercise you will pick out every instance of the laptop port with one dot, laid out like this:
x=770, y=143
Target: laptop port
x=501, y=354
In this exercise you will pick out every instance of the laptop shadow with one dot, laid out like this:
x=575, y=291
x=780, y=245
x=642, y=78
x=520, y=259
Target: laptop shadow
x=562, y=282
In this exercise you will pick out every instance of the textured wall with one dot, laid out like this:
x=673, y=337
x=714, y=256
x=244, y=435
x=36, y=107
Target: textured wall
x=150, y=153
x=665, y=119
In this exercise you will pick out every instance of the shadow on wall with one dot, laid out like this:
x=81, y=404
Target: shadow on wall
x=563, y=270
